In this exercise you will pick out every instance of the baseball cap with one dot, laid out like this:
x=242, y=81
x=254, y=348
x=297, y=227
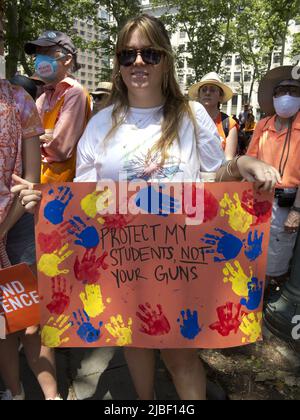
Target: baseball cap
x=50, y=38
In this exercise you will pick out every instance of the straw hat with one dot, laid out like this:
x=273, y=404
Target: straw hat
x=271, y=80
x=103, y=88
x=211, y=79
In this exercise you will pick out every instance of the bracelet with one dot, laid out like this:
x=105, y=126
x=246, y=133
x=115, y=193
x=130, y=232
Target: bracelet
x=296, y=209
x=229, y=167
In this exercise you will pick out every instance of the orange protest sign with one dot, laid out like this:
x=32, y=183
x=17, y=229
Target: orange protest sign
x=19, y=299
x=147, y=275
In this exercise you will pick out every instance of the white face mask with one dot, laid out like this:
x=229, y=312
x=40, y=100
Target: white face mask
x=286, y=106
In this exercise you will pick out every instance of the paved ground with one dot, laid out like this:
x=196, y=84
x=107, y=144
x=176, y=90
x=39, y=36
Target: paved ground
x=267, y=371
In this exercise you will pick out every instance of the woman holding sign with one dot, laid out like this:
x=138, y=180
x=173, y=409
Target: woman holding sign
x=150, y=131
x=20, y=154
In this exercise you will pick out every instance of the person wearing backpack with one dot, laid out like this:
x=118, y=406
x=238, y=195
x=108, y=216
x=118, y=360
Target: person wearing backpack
x=211, y=92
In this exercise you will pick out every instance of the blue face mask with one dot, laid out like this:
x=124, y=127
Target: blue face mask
x=46, y=67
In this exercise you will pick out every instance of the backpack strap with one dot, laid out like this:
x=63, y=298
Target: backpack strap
x=225, y=123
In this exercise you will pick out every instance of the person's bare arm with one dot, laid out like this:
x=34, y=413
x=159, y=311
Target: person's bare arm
x=231, y=144
x=31, y=172
x=249, y=169
x=293, y=221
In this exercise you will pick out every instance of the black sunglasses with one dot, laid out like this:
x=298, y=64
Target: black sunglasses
x=149, y=56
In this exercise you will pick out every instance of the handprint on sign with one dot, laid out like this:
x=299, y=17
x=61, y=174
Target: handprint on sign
x=229, y=321
x=86, y=332
x=261, y=210
x=55, y=209
x=92, y=300
x=60, y=300
x=49, y=263
x=119, y=330
x=88, y=269
x=254, y=248
x=53, y=331
x=96, y=202
x=155, y=202
x=196, y=196
x=156, y=322
x=255, y=295
x=239, y=220
x=189, y=328
x=51, y=242
x=238, y=278
x=88, y=236
x=252, y=327
x=226, y=245
x=117, y=221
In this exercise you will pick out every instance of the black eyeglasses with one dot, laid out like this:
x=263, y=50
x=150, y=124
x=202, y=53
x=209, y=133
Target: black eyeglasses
x=149, y=56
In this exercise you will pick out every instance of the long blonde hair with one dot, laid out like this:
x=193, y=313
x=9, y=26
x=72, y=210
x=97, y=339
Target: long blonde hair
x=176, y=104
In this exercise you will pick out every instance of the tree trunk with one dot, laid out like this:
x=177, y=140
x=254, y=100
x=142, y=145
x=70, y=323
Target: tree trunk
x=284, y=41
x=12, y=32
x=1, y=29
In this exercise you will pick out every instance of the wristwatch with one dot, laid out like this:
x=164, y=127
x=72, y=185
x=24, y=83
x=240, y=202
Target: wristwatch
x=296, y=209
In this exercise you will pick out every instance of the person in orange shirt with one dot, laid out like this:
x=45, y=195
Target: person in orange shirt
x=64, y=108
x=211, y=92
x=276, y=142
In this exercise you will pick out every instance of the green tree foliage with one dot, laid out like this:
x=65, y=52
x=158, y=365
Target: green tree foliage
x=262, y=29
x=209, y=26
x=121, y=11
x=26, y=19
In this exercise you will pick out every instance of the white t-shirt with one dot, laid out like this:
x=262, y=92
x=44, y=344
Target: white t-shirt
x=125, y=156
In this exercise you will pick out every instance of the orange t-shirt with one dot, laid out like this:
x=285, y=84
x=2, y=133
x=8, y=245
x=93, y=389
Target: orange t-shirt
x=267, y=145
x=219, y=124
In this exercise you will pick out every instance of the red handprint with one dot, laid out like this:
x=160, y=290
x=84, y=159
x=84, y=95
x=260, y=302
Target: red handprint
x=262, y=210
x=53, y=241
x=60, y=300
x=211, y=204
x=156, y=322
x=117, y=221
x=228, y=319
x=88, y=270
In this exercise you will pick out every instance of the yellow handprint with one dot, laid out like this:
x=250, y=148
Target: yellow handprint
x=49, y=263
x=95, y=203
x=92, y=300
x=119, y=330
x=52, y=332
x=238, y=278
x=251, y=327
x=239, y=219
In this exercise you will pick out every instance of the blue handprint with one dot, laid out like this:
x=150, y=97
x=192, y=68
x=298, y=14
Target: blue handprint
x=254, y=249
x=87, y=332
x=190, y=327
x=88, y=236
x=54, y=210
x=155, y=202
x=229, y=246
x=255, y=295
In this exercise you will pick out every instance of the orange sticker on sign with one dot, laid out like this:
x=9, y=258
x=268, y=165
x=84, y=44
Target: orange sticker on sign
x=19, y=298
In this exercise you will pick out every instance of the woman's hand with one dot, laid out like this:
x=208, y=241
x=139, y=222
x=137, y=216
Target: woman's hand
x=292, y=223
x=254, y=170
x=28, y=196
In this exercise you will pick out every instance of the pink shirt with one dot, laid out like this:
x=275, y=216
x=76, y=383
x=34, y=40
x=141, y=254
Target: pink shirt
x=71, y=122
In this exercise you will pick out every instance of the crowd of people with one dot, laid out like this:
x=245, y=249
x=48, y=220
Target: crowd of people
x=54, y=140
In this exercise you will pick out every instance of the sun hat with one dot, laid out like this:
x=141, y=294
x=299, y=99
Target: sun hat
x=280, y=76
x=211, y=79
x=103, y=88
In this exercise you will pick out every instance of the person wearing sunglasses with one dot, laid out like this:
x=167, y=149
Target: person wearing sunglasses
x=211, y=92
x=151, y=131
x=276, y=142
